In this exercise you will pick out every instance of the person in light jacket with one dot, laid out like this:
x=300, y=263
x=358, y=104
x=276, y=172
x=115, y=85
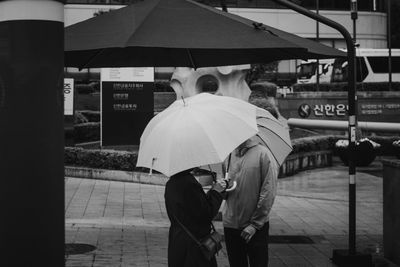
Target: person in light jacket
x=187, y=202
x=246, y=211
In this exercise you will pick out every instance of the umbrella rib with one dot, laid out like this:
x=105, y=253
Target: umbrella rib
x=268, y=148
x=276, y=135
x=191, y=58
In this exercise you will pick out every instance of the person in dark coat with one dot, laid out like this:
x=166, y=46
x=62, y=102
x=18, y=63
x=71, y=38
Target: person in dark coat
x=186, y=200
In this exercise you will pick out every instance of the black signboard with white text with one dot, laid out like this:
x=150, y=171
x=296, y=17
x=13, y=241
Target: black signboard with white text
x=127, y=104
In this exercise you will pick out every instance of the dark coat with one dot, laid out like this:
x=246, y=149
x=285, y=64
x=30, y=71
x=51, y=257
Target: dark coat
x=185, y=198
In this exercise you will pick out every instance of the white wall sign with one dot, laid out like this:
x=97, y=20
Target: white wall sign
x=68, y=96
x=127, y=74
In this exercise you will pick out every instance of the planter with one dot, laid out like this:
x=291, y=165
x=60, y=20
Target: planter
x=365, y=152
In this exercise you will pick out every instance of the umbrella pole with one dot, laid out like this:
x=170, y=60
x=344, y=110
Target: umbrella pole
x=233, y=187
x=227, y=168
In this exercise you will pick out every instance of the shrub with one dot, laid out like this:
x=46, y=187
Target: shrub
x=263, y=89
x=87, y=132
x=314, y=143
x=126, y=160
x=265, y=104
x=101, y=159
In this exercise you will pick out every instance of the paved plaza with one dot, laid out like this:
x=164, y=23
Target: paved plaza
x=128, y=224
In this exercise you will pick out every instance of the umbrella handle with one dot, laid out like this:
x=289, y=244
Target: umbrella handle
x=233, y=187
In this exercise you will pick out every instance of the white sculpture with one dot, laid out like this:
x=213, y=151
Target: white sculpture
x=230, y=80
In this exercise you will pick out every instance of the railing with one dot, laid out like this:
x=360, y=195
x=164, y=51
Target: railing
x=343, y=125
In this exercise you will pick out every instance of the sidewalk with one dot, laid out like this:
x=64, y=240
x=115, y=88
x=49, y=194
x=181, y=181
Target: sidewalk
x=128, y=224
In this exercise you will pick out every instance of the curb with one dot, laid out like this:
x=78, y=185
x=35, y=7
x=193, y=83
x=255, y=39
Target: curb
x=115, y=175
x=125, y=176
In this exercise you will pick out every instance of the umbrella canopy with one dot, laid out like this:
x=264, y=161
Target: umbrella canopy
x=181, y=33
x=273, y=135
x=196, y=131
x=315, y=49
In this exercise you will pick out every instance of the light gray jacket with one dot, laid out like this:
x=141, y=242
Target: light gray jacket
x=256, y=172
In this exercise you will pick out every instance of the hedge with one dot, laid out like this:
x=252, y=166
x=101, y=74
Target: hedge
x=338, y=87
x=126, y=160
x=314, y=143
x=100, y=159
x=263, y=89
x=86, y=132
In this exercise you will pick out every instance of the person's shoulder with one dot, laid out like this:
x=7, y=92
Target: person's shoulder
x=263, y=153
x=184, y=178
x=261, y=149
x=182, y=181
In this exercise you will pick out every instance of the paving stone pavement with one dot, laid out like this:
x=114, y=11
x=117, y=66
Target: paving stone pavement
x=128, y=224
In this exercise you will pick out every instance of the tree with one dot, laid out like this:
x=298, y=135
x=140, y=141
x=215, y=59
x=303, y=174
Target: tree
x=257, y=71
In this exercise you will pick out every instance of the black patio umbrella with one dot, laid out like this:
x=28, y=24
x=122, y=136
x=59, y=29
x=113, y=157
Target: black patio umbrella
x=157, y=33
x=315, y=50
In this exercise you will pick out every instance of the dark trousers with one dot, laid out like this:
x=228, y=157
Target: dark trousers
x=240, y=253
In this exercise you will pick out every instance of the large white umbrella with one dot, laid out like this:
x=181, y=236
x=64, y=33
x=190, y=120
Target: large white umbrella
x=274, y=135
x=196, y=131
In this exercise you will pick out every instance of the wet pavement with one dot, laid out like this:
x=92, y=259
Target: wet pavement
x=128, y=224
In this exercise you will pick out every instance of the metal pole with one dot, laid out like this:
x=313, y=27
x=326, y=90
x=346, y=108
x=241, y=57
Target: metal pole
x=354, y=17
x=317, y=39
x=389, y=41
x=383, y=127
x=340, y=257
x=352, y=168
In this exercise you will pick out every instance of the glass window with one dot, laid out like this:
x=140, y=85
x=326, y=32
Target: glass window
x=340, y=70
x=310, y=4
x=247, y=3
x=361, y=68
x=306, y=70
x=381, y=64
